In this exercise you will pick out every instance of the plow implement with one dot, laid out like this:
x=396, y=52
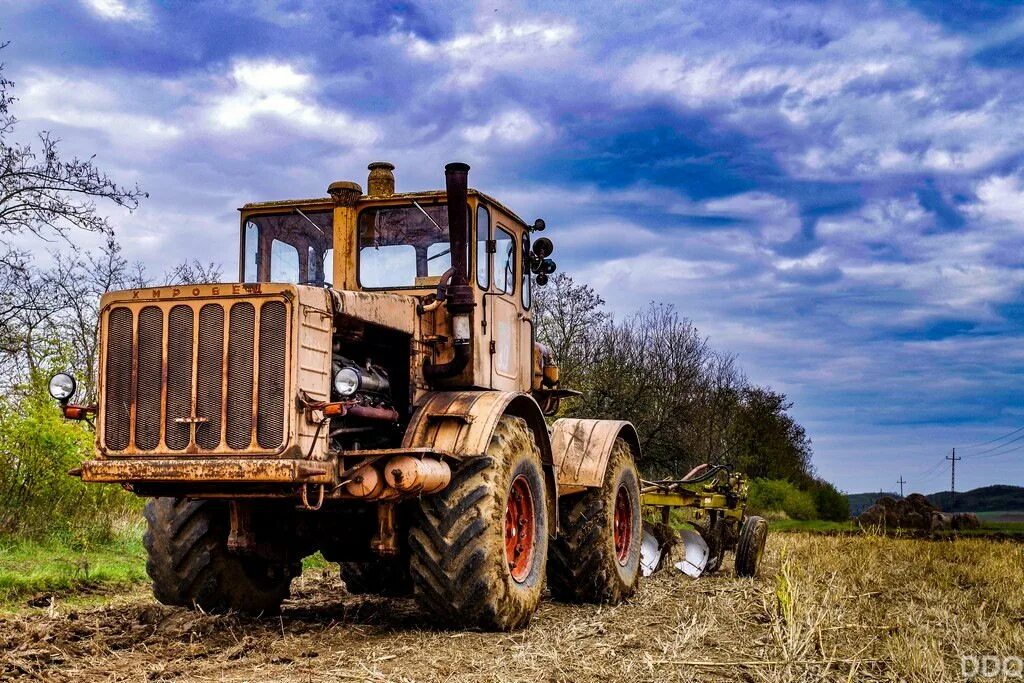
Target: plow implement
x=712, y=501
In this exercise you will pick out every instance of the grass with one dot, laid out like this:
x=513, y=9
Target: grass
x=30, y=569
x=811, y=525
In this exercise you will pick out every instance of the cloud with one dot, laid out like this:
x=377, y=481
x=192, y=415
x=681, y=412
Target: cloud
x=127, y=11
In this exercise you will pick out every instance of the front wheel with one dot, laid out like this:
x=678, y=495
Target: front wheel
x=190, y=565
x=596, y=557
x=750, y=548
x=478, y=547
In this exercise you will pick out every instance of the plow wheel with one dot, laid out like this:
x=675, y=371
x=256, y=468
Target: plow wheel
x=478, y=547
x=753, y=535
x=190, y=565
x=596, y=557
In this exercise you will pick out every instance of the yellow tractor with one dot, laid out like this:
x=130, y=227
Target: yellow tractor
x=371, y=389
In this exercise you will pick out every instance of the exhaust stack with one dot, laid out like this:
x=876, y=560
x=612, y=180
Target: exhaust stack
x=458, y=296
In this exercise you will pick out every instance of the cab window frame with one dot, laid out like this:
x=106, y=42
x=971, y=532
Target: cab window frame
x=513, y=253
x=486, y=255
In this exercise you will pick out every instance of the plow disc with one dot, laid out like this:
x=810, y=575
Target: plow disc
x=710, y=505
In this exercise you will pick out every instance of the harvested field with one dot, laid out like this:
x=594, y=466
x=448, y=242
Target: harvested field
x=833, y=608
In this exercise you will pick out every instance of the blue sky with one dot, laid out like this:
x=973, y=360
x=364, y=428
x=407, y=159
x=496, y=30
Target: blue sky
x=834, y=192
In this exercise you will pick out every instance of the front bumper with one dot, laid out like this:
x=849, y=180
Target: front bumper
x=207, y=471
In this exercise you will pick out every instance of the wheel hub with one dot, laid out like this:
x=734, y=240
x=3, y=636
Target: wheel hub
x=520, y=529
x=623, y=524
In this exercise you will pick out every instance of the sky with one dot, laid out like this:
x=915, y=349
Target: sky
x=834, y=192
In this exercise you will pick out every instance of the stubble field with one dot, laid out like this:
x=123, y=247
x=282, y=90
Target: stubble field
x=824, y=608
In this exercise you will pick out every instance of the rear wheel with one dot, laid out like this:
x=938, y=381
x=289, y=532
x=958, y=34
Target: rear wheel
x=751, y=545
x=478, y=547
x=189, y=562
x=596, y=557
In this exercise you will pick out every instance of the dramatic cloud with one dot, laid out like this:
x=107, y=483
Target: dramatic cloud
x=835, y=192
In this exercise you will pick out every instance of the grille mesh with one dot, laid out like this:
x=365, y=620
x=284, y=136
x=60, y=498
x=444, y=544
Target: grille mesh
x=147, y=392
x=180, y=328
x=171, y=362
x=270, y=398
x=209, y=376
x=240, y=375
x=118, y=379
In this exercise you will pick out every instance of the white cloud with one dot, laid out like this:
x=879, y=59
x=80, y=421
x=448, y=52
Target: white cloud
x=129, y=11
x=279, y=92
x=511, y=127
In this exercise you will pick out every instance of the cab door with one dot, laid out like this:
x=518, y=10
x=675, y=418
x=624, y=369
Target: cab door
x=506, y=322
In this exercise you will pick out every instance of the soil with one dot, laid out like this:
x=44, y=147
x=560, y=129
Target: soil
x=326, y=634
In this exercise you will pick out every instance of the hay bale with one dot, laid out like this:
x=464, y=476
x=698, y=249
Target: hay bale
x=966, y=520
x=913, y=512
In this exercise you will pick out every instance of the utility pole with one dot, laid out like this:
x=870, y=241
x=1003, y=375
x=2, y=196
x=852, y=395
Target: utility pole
x=901, y=482
x=952, y=479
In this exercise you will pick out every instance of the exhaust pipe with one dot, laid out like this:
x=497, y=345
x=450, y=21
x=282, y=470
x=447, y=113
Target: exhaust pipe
x=459, y=297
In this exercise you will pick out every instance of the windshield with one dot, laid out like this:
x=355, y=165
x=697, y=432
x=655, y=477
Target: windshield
x=403, y=246
x=296, y=247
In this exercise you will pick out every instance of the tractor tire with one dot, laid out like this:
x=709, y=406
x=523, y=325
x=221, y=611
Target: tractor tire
x=377, y=577
x=190, y=565
x=479, y=547
x=753, y=535
x=596, y=557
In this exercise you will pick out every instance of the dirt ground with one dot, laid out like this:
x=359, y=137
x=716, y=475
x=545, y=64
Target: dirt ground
x=817, y=611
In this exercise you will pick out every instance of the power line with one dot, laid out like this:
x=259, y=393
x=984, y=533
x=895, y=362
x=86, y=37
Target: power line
x=901, y=481
x=952, y=486
x=996, y=455
x=985, y=443
x=996, y=448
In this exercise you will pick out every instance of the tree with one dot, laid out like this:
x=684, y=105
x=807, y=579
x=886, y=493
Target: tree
x=44, y=194
x=568, y=317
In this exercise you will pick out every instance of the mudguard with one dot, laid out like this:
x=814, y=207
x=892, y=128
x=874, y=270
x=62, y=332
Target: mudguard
x=462, y=423
x=581, y=449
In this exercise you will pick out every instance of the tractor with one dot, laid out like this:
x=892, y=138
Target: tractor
x=371, y=389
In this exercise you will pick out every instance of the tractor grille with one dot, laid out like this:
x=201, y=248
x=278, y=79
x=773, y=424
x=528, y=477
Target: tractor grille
x=195, y=377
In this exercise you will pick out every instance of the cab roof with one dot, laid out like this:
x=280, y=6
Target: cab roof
x=432, y=195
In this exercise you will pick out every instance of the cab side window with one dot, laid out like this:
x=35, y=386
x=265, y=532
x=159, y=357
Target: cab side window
x=505, y=261
x=483, y=259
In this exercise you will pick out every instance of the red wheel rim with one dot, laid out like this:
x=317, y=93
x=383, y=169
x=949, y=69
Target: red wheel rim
x=623, y=523
x=520, y=529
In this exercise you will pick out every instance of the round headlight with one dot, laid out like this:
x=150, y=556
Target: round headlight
x=346, y=382
x=62, y=386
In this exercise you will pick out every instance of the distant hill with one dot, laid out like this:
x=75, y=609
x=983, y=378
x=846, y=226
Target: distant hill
x=997, y=498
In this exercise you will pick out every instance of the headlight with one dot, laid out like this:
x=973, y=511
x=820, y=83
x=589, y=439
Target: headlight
x=346, y=382
x=62, y=386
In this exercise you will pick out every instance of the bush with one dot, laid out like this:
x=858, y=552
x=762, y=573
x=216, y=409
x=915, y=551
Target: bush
x=832, y=505
x=768, y=497
x=38, y=499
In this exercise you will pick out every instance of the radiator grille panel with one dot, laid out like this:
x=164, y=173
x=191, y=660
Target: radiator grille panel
x=179, y=376
x=240, y=375
x=165, y=385
x=209, y=375
x=149, y=378
x=118, y=370
x=270, y=422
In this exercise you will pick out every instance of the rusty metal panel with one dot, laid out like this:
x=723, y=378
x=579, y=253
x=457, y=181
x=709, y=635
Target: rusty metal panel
x=149, y=378
x=118, y=372
x=581, y=449
x=215, y=470
x=394, y=311
x=314, y=323
x=462, y=422
x=241, y=361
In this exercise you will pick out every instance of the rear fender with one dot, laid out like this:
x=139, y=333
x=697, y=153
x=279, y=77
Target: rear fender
x=582, y=448
x=463, y=422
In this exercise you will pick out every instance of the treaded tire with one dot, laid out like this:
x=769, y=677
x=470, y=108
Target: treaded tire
x=751, y=545
x=459, y=566
x=377, y=577
x=583, y=562
x=189, y=563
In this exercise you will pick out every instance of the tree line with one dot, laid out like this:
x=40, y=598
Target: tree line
x=690, y=403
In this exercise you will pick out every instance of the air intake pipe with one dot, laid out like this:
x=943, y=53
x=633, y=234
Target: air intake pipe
x=459, y=294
